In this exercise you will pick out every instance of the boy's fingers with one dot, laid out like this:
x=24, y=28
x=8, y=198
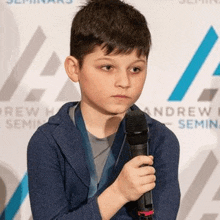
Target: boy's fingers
x=141, y=160
x=149, y=186
x=148, y=179
x=146, y=170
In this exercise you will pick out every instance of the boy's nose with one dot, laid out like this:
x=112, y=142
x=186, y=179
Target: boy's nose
x=122, y=79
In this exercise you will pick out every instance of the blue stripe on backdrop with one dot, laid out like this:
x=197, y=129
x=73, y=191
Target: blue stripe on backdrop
x=16, y=200
x=217, y=71
x=194, y=66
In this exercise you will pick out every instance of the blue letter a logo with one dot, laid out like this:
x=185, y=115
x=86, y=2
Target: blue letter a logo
x=194, y=66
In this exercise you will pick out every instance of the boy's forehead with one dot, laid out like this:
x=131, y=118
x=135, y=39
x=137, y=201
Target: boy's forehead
x=100, y=51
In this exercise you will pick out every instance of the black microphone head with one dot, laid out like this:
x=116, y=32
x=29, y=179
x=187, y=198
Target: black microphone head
x=135, y=121
x=136, y=127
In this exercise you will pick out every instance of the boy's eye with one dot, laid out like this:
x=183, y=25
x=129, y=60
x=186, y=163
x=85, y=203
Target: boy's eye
x=135, y=70
x=106, y=67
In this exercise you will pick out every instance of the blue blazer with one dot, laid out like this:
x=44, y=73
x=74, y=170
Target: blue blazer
x=59, y=178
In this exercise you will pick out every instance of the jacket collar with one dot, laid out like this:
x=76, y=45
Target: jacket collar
x=69, y=139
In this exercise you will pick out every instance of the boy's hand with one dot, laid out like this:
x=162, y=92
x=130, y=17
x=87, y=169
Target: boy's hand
x=135, y=179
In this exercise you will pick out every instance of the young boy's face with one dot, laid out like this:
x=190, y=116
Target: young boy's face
x=111, y=83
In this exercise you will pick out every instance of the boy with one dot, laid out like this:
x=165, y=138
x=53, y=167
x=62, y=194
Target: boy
x=79, y=165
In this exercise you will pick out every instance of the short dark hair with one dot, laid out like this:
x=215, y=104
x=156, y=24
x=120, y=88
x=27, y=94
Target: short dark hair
x=113, y=24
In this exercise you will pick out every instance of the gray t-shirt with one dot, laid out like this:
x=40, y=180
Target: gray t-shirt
x=100, y=147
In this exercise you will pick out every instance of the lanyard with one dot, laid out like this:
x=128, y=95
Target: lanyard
x=108, y=173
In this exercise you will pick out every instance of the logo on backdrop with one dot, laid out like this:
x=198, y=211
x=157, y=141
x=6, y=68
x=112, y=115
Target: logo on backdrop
x=43, y=2
x=203, y=193
x=194, y=117
x=193, y=69
x=21, y=69
x=199, y=2
x=33, y=114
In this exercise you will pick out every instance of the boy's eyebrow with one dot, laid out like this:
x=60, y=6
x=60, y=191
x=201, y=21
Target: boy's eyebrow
x=105, y=58
x=140, y=60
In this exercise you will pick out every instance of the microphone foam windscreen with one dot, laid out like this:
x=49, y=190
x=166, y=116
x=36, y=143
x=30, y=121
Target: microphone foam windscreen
x=136, y=127
x=135, y=121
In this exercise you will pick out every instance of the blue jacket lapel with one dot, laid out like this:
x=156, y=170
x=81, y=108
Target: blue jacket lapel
x=69, y=139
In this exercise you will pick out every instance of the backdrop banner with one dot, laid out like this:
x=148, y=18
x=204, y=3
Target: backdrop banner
x=182, y=90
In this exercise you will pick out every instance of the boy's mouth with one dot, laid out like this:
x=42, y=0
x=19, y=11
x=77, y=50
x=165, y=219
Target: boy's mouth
x=121, y=96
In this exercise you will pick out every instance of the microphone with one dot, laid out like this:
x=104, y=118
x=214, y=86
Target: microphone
x=137, y=137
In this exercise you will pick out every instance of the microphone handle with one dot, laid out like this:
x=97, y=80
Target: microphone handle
x=145, y=203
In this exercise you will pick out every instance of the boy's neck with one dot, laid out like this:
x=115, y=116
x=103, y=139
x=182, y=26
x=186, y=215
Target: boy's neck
x=99, y=124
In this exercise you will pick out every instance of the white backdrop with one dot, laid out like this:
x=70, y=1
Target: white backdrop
x=182, y=90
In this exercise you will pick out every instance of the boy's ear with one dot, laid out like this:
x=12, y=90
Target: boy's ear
x=72, y=68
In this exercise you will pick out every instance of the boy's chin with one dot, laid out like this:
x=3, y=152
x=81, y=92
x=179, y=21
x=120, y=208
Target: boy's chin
x=118, y=110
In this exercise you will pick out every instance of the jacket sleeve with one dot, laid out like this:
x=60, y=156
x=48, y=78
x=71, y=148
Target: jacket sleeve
x=166, y=194
x=47, y=188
